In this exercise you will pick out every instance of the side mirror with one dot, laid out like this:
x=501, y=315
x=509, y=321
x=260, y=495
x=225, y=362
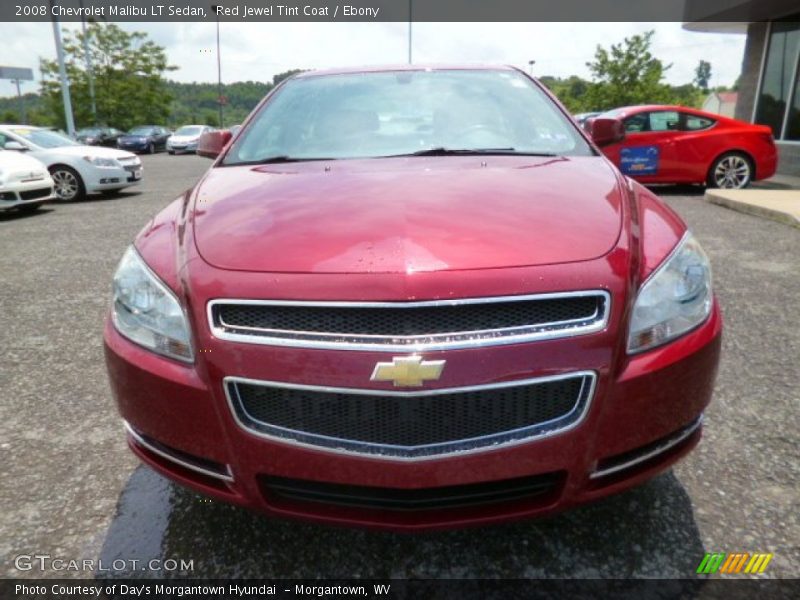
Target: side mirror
x=15, y=146
x=212, y=142
x=605, y=131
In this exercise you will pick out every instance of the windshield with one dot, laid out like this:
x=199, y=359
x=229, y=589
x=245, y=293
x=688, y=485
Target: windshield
x=369, y=115
x=189, y=130
x=44, y=138
x=86, y=132
x=141, y=131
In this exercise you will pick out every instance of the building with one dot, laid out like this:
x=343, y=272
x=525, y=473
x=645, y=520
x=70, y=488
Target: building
x=769, y=87
x=721, y=103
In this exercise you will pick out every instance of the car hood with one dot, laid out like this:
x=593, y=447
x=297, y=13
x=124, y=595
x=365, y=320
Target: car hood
x=407, y=215
x=95, y=151
x=133, y=138
x=17, y=161
x=184, y=139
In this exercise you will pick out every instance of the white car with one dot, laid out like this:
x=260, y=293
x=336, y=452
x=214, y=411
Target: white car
x=76, y=169
x=186, y=138
x=25, y=182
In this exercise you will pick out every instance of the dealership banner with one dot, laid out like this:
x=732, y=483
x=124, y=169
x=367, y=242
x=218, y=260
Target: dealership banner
x=393, y=10
x=392, y=589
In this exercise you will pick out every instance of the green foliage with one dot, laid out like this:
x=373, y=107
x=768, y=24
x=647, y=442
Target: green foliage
x=128, y=78
x=628, y=74
x=702, y=75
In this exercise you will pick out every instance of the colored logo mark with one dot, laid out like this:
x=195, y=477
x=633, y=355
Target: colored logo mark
x=733, y=563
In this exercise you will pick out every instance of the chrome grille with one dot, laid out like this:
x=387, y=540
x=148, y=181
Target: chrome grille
x=411, y=425
x=418, y=326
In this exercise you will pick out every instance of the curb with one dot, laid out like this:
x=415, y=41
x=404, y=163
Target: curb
x=752, y=202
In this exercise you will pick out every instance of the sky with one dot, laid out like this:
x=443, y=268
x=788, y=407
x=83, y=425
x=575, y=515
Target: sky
x=257, y=51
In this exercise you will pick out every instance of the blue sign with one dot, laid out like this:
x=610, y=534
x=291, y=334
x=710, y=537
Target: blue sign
x=640, y=160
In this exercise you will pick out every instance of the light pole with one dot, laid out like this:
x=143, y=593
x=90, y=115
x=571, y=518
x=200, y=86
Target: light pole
x=62, y=71
x=530, y=67
x=410, y=18
x=89, y=72
x=215, y=8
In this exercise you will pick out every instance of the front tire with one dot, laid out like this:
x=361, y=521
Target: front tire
x=731, y=171
x=68, y=184
x=151, y=149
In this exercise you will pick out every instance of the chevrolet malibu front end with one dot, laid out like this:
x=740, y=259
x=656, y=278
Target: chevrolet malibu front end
x=412, y=298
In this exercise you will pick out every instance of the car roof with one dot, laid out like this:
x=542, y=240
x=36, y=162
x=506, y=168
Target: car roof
x=405, y=67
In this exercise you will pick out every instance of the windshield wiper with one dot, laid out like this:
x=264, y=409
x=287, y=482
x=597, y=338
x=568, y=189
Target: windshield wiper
x=283, y=158
x=442, y=151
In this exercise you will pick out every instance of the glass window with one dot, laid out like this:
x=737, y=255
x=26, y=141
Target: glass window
x=44, y=138
x=377, y=114
x=793, y=124
x=664, y=120
x=779, y=73
x=695, y=123
x=637, y=123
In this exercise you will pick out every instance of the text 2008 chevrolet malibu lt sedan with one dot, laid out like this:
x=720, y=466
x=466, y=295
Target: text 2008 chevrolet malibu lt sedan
x=412, y=298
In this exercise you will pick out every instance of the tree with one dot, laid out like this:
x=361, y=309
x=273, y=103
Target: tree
x=702, y=75
x=129, y=78
x=627, y=74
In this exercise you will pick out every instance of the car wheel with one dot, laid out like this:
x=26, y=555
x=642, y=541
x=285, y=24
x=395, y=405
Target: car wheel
x=29, y=208
x=151, y=149
x=68, y=184
x=732, y=170
x=171, y=151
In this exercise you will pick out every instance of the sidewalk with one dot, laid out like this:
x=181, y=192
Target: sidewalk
x=768, y=201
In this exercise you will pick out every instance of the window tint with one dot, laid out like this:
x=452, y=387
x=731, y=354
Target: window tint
x=664, y=120
x=695, y=123
x=637, y=123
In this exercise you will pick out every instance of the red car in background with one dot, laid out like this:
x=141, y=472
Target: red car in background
x=674, y=144
x=412, y=297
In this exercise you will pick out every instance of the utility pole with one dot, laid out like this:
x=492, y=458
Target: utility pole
x=410, y=19
x=62, y=71
x=21, y=103
x=220, y=99
x=89, y=71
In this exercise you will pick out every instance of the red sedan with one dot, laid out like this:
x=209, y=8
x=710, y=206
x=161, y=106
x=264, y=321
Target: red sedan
x=674, y=144
x=412, y=298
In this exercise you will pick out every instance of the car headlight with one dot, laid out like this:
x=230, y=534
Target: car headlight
x=676, y=298
x=147, y=312
x=99, y=161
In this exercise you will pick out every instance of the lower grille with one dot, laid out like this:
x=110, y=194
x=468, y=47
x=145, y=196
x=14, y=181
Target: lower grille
x=456, y=496
x=37, y=193
x=411, y=425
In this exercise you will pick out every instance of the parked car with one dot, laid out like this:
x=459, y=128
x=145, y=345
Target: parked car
x=25, y=183
x=98, y=136
x=674, y=144
x=76, y=169
x=145, y=138
x=185, y=138
x=357, y=318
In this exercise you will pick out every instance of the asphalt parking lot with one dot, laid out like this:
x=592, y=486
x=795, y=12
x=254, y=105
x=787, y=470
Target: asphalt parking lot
x=70, y=488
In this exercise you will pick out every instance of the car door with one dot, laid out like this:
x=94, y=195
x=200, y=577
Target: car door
x=700, y=142
x=163, y=134
x=648, y=152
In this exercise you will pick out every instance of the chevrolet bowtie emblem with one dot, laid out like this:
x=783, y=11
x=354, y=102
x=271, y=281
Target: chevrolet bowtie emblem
x=408, y=371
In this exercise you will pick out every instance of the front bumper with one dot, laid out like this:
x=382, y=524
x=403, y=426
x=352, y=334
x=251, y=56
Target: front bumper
x=133, y=146
x=179, y=147
x=113, y=178
x=29, y=192
x=645, y=415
